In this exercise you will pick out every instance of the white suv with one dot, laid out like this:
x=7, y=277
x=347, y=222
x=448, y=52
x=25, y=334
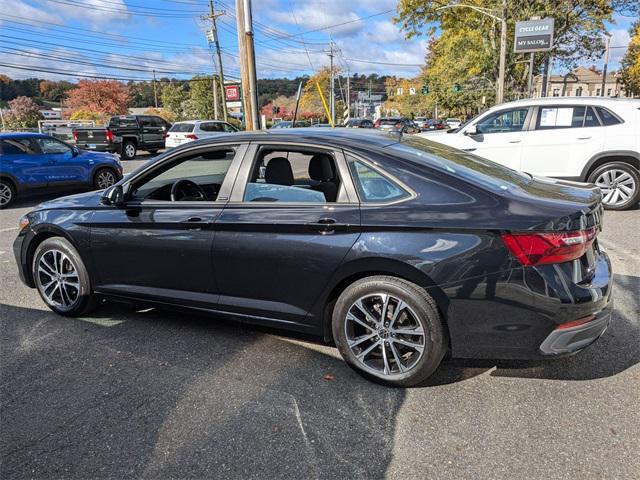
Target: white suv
x=190, y=130
x=589, y=139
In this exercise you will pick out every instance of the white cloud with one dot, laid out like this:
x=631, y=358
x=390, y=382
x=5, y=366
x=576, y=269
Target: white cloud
x=619, y=38
x=26, y=11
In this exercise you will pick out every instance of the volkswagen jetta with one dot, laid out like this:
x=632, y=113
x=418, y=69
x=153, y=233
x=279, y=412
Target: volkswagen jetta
x=399, y=250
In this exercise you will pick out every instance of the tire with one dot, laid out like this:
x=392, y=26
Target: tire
x=129, y=150
x=364, y=346
x=69, y=295
x=104, y=178
x=7, y=193
x=625, y=180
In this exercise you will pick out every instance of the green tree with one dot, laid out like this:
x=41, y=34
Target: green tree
x=200, y=103
x=631, y=62
x=173, y=96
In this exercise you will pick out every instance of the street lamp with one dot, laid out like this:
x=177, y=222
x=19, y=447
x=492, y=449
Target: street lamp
x=503, y=40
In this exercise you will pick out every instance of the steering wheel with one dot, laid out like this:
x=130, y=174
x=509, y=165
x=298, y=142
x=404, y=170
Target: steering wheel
x=186, y=190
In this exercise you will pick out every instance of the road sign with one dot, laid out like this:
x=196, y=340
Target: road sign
x=534, y=36
x=232, y=93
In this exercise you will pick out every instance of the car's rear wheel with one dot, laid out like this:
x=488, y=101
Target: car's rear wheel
x=128, y=150
x=389, y=330
x=620, y=185
x=104, y=178
x=7, y=193
x=61, y=278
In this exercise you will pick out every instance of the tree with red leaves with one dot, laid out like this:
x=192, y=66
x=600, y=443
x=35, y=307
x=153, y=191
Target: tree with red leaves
x=101, y=96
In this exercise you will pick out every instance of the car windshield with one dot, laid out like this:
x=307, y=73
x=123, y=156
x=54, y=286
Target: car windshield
x=469, y=167
x=182, y=127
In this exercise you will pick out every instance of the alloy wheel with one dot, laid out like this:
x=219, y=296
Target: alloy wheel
x=384, y=334
x=6, y=195
x=58, y=279
x=617, y=186
x=130, y=150
x=105, y=179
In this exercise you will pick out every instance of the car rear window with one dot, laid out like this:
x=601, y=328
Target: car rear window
x=607, y=117
x=123, y=122
x=182, y=127
x=475, y=170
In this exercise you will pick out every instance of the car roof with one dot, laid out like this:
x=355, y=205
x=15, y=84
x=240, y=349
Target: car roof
x=570, y=100
x=330, y=136
x=23, y=135
x=194, y=122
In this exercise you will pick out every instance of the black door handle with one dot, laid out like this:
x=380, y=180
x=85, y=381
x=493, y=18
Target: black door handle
x=193, y=220
x=324, y=225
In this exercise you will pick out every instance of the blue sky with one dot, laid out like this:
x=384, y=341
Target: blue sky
x=169, y=36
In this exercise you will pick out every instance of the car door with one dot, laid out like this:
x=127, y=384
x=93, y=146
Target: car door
x=24, y=161
x=64, y=165
x=151, y=131
x=498, y=136
x=565, y=137
x=277, y=242
x=157, y=248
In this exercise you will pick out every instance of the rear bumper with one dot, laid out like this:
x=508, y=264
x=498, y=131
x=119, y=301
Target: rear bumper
x=574, y=339
x=98, y=147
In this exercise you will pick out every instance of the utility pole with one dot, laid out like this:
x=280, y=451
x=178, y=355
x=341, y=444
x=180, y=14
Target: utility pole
x=348, y=94
x=155, y=92
x=247, y=113
x=503, y=54
x=530, y=79
x=606, y=64
x=212, y=36
x=332, y=100
x=251, y=64
x=214, y=86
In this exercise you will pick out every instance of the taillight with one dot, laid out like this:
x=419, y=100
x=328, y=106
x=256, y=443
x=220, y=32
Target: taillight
x=109, y=136
x=545, y=248
x=75, y=136
x=191, y=136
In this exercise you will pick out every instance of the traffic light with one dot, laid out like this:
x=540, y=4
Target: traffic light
x=424, y=90
x=457, y=88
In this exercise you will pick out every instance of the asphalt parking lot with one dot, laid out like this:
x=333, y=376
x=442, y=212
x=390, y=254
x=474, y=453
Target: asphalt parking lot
x=128, y=393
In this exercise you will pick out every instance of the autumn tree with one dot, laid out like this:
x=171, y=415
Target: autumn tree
x=23, y=113
x=310, y=100
x=406, y=98
x=54, y=91
x=102, y=96
x=630, y=65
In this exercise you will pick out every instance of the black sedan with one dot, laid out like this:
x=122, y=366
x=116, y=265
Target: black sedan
x=398, y=250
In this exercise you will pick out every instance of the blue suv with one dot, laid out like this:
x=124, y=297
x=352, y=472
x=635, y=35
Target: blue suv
x=31, y=162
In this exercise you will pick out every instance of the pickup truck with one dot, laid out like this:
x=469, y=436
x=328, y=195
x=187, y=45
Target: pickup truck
x=125, y=134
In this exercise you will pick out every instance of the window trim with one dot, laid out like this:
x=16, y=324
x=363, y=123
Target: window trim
x=412, y=194
x=242, y=179
x=225, y=189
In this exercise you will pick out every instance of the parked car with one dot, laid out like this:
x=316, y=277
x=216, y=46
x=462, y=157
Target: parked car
x=432, y=124
x=289, y=124
x=188, y=131
x=125, y=134
x=396, y=125
x=398, y=251
x=594, y=140
x=359, y=123
x=34, y=162
x=453, y=122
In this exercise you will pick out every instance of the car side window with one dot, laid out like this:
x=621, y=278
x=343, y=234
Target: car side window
x=18, y=146
x=373, y=186
x=607, y=117
x=229, y=128
x=52, y=146
x=554, y=116
x=211, y=127
x=294, y=176
x=207, y=170
x=503, y=121
x=145, y=122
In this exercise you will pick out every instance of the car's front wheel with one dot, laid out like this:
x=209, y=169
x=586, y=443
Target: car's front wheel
x=61, y=278
x=389, y=330
x=620, y=185
x=104, y=178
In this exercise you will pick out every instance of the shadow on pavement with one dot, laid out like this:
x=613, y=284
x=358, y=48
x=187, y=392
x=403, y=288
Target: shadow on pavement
x=166, y=395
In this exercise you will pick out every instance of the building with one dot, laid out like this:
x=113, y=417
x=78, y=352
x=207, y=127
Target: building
x=581, y=82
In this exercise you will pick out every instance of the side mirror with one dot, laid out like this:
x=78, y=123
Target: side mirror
x=113, y=196
x=471, y=130
x=75, y=151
